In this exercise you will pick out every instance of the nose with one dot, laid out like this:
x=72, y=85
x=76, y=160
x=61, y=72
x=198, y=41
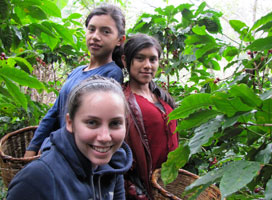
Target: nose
x=147, y=64
x=96, y=35
x=104, y=135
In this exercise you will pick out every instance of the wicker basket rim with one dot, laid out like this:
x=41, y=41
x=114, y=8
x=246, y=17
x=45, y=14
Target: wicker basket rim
x=156, y=175
x=5, y=137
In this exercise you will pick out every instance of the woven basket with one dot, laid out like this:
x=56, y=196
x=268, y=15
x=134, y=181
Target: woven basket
x=174, y=190
x=12, y=149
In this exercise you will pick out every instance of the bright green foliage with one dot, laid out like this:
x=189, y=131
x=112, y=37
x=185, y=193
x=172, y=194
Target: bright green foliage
x=33, y=33
x=225, y=124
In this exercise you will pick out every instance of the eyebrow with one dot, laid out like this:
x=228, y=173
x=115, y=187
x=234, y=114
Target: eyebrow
x=102, y=27
x=152, y=56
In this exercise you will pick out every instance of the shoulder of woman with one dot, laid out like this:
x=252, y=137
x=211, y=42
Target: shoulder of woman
x=32, y=182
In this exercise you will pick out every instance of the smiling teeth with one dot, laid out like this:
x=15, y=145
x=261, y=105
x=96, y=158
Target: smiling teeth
x=101, y=149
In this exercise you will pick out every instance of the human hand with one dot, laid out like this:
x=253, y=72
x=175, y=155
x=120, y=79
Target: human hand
x=29, y=154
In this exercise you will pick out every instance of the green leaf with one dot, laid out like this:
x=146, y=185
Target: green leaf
x=232, y=120
x=199, y=30
x=212, y=24
x=175, y=160
x=50, y=41
x=203, y=134
x=21, y=61
x=35, y=12
x=261, y=44
x=199, y=39
x=264, y=156
x=39, y=28
x=7, y=108
x=237, y=175
x=4, y=91
x=265, y=116
x=61, y=3
x=230, y=52
x=246, y=95
x=190, y=104
x=214, y=65
x=206, y=180
x=64, y=32
x=203, y=50
x=50, y=8
x=238, y=25
x=268, y=191
x=21, y=77
x=266, y=95
x=263, y=20
x=15, y=92
x=200, y=8
x=4, y=9
x=229, y=106
x=74, y=16
x=196, y=119
x=187, y=14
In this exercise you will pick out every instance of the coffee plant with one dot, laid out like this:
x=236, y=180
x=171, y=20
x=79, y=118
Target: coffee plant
x=225, y=126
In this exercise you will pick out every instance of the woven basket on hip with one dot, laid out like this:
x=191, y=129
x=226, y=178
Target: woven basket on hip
x=12, y=149
x=174, y=190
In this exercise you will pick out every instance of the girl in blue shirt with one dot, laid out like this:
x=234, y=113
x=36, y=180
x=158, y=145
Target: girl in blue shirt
x=105, y=35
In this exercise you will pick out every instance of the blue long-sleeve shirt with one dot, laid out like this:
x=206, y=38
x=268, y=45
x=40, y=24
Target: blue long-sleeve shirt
x=55, y=117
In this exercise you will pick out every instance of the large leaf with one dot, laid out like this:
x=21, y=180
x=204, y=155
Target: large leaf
x=65, y=33
x=200, y=8
x=265, y=116
x=263, y=20
x=206, y=180
x=175, y=160
x=246, y=95
x=21, y=61
x=7, y=108
x=261, y=44
x=204, y=49
x=50, y=8
x=196, y=119
x=266, y=95
x=199, y=39
x=50, y=41
x=46, y=7
x=15, y=92
x=229, y=106
x=237, y=175
x=238, y=25
x=35, y=12
x=203, y=134
x=264, y=156
x=268, y=191
x=229, y=53
x=199, y=30
x=21, y=77
x=37, y=29
x=190, y=104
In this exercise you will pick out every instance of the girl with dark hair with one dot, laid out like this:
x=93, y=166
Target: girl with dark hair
x=88, y=157
x=105, y=35
x=150, y=136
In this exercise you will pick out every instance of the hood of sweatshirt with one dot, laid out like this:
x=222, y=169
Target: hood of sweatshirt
x=64, y=142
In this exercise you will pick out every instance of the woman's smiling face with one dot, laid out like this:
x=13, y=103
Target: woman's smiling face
x=99, y=126
x=144, y=66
